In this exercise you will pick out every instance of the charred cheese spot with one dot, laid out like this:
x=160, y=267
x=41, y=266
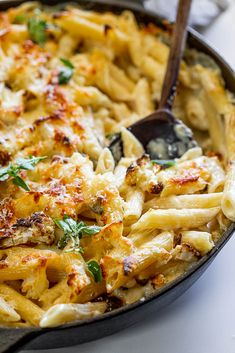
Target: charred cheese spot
x=3, y=265
x=56, y=101
x=4, y=157
x=6, y=212
x=187, y=177
x=36, y=196
x=142, y=161
x=62, y=138
x=55, y=117
x=156, y=188
x=177, y=239
x=130, y=174
x=42, y=262
x=107, y=28
x=159, y=280
x=71, y=278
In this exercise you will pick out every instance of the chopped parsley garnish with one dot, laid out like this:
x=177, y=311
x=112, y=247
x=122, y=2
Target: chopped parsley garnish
x=95, y=270
x=20, y=182
x=65, y=72
x=73, y=232
x=164, y=163
x=37, y=30
x=67, y=63
x=12, y=170
x=29, y=164
x=20, y=19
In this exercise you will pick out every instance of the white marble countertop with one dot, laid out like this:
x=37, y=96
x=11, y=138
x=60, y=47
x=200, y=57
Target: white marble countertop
x=203, y=319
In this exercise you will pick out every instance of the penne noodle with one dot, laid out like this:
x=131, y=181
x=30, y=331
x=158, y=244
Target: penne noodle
x=29, y=311
x=8, y=314
x=163, y=239
x=76, y=25
x=133, y=206
x=201, y=241
x=105, y=162
x=174, y=219
x=142, y=98
x=61, y=314
x=132, y=148
x=185, y=201
x=117, y=271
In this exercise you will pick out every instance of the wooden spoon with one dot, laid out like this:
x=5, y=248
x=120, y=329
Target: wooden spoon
x=161, y=134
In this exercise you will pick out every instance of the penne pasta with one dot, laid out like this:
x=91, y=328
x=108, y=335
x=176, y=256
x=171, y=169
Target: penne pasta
x=133, y=206
x=131, y=146
x=65, y=313
x=201, y=241
x=174, y=219
x=29, y=311
x=105, y=162
x=142, y=98
x=117, y=271
x=185, y=201
x=8, y=314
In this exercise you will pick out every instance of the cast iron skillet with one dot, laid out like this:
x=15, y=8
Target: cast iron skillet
x=12, y=340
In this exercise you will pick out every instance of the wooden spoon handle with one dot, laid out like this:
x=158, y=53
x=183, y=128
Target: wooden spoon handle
x=175, y=55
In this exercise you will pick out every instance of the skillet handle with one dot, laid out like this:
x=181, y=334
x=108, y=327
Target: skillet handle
x=12, y=340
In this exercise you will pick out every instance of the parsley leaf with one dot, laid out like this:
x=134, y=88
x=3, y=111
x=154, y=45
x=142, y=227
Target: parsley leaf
x=65, y=75
x=67, y=63
x=20, y=182
x=12, y=170
x=95, y=270
x=89, y=230
x=29, y=164
x=20, y=19
x=164, y=162
x=62, y=225
x=66, y=72
x=37, y=30
x=73, y=232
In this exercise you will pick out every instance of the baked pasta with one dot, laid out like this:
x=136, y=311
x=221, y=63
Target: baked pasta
x=80, y=235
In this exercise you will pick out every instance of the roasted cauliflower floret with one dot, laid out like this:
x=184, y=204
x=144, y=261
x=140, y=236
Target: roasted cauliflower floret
x=36, y=229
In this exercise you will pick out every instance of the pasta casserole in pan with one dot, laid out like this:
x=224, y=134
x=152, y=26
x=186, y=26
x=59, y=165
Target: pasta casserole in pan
x=80, y=235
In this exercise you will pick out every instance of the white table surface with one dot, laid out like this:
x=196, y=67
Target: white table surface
x=203, y=319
